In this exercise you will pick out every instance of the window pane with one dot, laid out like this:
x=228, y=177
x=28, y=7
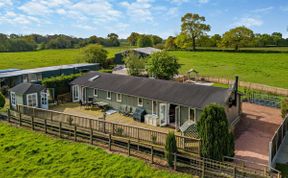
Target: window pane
x=192, y=114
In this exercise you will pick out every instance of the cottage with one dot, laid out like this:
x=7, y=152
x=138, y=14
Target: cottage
x=13, y=77
x=29, y=94
x=141, y=52
x=165, y=102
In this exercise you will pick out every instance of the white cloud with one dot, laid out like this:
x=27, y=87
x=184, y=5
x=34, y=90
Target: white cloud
x=16, y=19
x=179, y=1
x=35, y=7
x=248, y=22
x=140, y=10
x=203, y=1
x=173, y=11
x=4, y=3
x=263, y=10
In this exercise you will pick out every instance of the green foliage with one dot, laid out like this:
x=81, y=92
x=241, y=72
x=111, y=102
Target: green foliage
x=132, y=39
x=170, y=43
x=238, y=37
x=134, y=63
x=154, y=139
x=119, y=131
x=60, y=83
x=183, y=41
x=193, y=26
x=213, y=129
x=2, y=100
x=144, y=41
x=94, y=53
x=162, y=65
x=284, y=107
x=113, y=39
x=170, y=148
x=31, y=154
x=156, y=39
x=283, y=168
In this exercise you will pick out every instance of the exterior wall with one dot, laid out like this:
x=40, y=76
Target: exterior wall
x=234, y=111
x=183, y=114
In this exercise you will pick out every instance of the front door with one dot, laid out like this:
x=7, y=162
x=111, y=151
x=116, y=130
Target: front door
x=177, y=116
x=44, y=100
x=163, y=114
x=84, y=95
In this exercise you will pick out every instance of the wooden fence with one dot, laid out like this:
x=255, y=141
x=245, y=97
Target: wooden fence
x=254, y=86
x=191, y=163
x=277, y=140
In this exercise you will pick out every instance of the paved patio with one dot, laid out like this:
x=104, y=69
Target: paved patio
x=254, y=132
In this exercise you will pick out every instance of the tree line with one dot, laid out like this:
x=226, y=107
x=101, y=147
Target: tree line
x=14, y=42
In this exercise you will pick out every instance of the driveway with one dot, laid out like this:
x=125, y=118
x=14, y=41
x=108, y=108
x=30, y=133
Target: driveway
x=254, y=132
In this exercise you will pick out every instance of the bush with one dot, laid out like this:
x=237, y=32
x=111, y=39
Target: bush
x=2, y=100
x=170, y=148
x=284, y=107
x=61, y=84
x=213, y=129
x=134, y=63
x=94, y=53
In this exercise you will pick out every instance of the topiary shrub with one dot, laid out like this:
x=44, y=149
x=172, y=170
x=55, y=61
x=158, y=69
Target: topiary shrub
x=170, y=148
x=213, y=129
x=284, y=107
x=2, y=100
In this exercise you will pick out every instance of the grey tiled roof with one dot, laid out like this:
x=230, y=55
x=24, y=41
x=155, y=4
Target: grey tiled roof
x=27, y=88
x=192, y=95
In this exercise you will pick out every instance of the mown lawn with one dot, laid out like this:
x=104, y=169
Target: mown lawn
x=264, y=68
x=24, y=153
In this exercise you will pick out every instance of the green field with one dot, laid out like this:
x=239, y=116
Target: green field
x=264, y=68
x=24, y=153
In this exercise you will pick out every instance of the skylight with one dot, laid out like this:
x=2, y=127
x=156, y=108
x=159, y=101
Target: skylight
x=94, y=78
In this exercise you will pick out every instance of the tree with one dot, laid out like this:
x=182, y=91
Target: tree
x=213, y=129
x=2, y=100
x=94, y=53
x=277, y=37
x=170, y=43
x=144, y=41
x=134, y=63
x=113, y=39
x=238, y=37
x=170, y=148
x=183, y=41
x=216, y=40
x=156, y=39
x=132, y=39
x=193, y=26
x=163, y=66
x=284, y=107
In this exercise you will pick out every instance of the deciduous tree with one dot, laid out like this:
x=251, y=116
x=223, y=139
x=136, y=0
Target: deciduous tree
x=134, y=63
x=94, y=53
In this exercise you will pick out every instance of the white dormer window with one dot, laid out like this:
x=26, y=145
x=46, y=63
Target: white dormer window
x=93, y=78
x=108, y=95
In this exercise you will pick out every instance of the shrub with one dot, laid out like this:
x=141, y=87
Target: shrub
x=61, y=84
x=2, y=100
x=284, y=107
x=213, y=129
x=170, y=148
x=134, y=63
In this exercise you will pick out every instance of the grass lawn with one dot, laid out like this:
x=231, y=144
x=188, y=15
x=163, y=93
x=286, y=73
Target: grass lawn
x=264, y=68
x=24, y=153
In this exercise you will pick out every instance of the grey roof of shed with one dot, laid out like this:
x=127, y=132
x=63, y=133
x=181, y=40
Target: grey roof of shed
x=146, y=50
x=192, y=95
x=27, y=88
x=43, y=69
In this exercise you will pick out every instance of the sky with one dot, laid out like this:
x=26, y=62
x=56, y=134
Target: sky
x=83, y=18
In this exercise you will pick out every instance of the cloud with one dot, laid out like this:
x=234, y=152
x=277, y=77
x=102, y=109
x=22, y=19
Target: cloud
x=263, y=10
x=18, y=19
x=203, y=1
x=35, y=7
x=248, y=22
x=4, y=3
x=284, y=8
x=140, y=10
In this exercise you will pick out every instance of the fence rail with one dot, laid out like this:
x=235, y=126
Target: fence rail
x=193, y=163
x=277, y=140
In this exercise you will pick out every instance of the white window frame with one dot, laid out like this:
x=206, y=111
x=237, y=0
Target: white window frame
x=154, y=112
x=139, y=104
x=189, y=114
x=36, y=102
x=118, y=97
x=44, y=97
x=13, y=99
x=76, y=89
x=95, y=90
x=108, y=97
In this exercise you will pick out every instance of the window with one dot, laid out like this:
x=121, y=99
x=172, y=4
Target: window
x=75, y=90
x=32, y=100
x=119, y=97
x=96, y=92
x=44, y=99
x=13, y=99
x=108, y=95
x=154, y=107
x=192, y=114
x=140, y=102
x=32, y=77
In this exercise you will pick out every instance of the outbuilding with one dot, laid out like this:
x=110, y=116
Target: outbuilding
x=30, y=94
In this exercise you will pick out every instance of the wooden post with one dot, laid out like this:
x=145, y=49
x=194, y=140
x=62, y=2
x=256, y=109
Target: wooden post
x=75, y=133
x=60, y=128
x=113, y=129
x=129, y=147
x=32, y=122
x=110, y=142
x=234, y=172
x=175, y=161
x=91, y=136
x=20, y=119
x=152, y=154
x=104, y=127
x=203, y=168
x=51, y=116
x=9, y=115
x=45, y=125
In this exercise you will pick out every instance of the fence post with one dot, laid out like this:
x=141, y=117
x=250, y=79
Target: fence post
x=113, y=128
x=9, y=115
x=175, y=161
x=75, y=133
x=234, y=172
x=32, y=122
x=45, y=125
x=20, y=119
x=109, y=142
x=129, y=147
x=91, y=136
x=60, y=128
x=203, y=168
x=51, y=116
x=152, y=154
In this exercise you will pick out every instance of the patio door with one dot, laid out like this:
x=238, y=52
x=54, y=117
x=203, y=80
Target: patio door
x=177, y=116
x=75, y=93
x=163, y=114
x=44, y=100
x=84, y=98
